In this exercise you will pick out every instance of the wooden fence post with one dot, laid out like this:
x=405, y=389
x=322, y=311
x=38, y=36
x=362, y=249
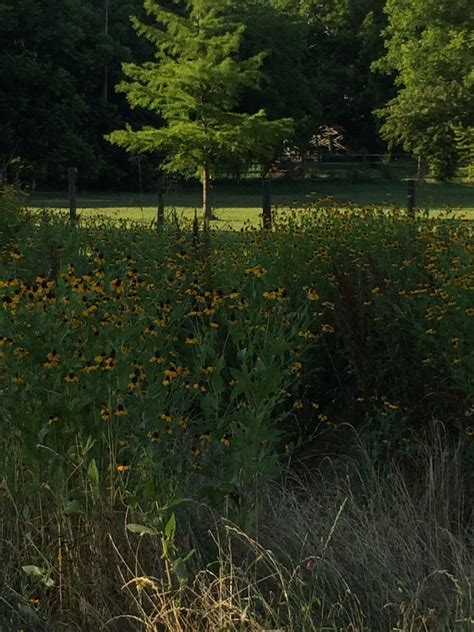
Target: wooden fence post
x=267, y=205
x=411, y=197
x=72, y=179
x=160, y=213
x=195, y=229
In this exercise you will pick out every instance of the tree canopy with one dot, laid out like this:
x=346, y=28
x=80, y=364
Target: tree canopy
x=430, y=50
x=325, y=62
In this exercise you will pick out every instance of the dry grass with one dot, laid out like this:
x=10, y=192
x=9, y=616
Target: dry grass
x=339, y=545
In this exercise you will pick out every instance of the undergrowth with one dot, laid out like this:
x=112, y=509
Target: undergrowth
x=265, y=430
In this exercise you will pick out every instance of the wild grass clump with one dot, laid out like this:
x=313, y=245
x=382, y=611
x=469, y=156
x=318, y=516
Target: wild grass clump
x=156, y=387
x=338, y=545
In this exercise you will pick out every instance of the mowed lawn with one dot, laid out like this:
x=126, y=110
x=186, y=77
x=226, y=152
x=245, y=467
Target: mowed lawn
x=236, y=205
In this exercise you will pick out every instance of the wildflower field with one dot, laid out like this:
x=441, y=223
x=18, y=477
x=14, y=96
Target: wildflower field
x=157, y=388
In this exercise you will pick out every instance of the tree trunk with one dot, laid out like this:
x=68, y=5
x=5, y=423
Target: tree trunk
x=105, y=89
x=411, y=197
x=206, y=202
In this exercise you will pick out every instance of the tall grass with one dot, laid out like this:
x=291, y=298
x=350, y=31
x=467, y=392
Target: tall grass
x=338, y=545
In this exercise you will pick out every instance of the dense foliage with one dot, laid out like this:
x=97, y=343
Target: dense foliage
x=430, y=49
x=226, y=353
x=60, y=63
x=58, y=66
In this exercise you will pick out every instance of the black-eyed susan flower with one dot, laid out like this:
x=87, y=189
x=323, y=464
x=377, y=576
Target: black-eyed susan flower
x=121, y=411
x=270, y=294
x=390, y=405
x=71, y=378
x=52, y=360
x=192, y=340
x=206, y=436
x=194, y=313
x=20, y=352
x=183, y=422
x=208, y=369
x=296, y=368
x=256, y=271
x=134, y=383
x=118, y=286
x=312, y=294
x=105, y=412
x=171, y=372
x=156, y=358
x=154, y=436
x=307, y=334
x=90, y=367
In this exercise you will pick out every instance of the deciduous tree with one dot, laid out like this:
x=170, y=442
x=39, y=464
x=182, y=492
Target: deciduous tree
x=194, y=84
x=430, y=50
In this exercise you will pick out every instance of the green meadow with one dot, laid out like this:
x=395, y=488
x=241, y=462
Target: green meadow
x=238, y=205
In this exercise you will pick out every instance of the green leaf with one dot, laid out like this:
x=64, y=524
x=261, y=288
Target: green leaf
x=141, y=529
x=73, y=507
x=33, y=570
x=93, y=472
x=175, y=503
x=28, y=612
x=170, y=527
x=43, y=574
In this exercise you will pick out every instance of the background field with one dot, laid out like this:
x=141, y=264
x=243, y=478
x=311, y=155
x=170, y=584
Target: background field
x=236, y=204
